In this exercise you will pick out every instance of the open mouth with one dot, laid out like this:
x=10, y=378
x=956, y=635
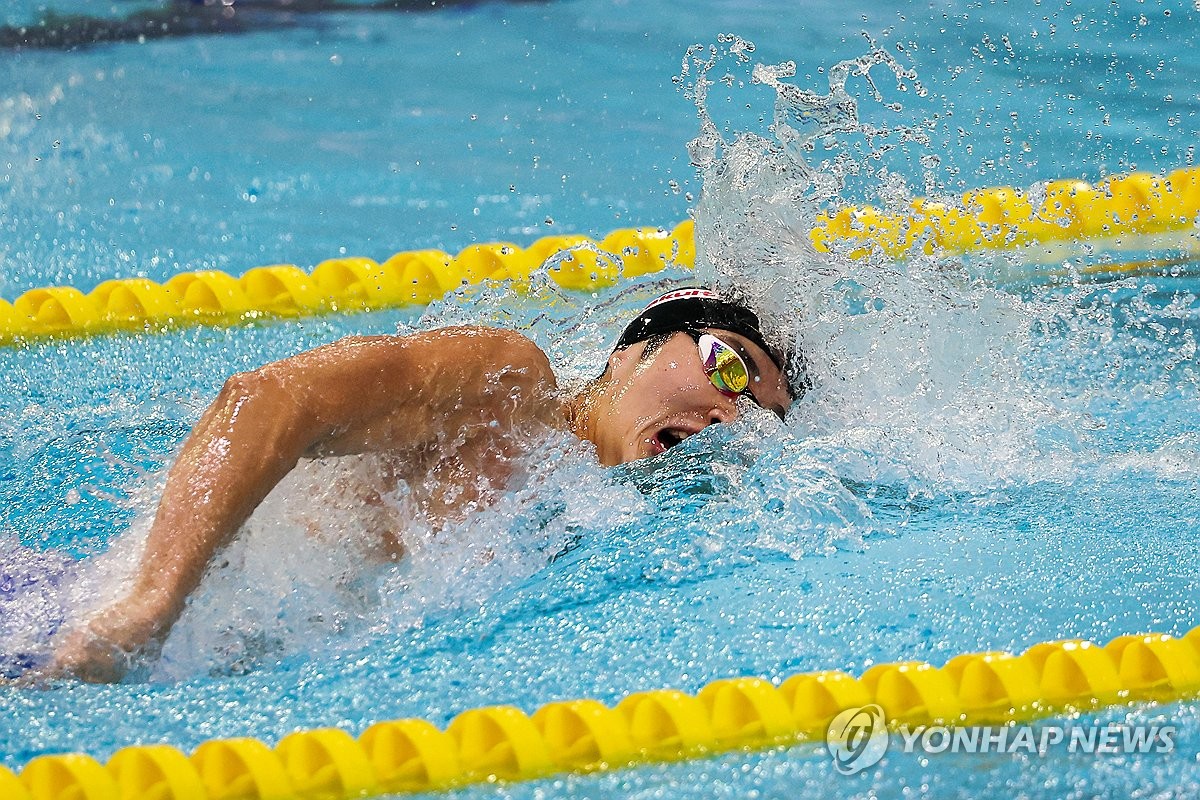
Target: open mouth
x=669, y=437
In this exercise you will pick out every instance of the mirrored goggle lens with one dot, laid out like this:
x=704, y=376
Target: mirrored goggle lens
x=723, y=365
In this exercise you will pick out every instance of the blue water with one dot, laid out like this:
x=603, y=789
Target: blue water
x=383, y=132
x=976, y=469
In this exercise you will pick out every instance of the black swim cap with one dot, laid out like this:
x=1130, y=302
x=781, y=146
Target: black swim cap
x=695, y=308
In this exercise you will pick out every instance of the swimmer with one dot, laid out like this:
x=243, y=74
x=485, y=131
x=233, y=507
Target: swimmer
x=454, y=404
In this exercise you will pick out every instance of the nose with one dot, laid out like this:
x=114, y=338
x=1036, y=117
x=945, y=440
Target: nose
x=724, y=410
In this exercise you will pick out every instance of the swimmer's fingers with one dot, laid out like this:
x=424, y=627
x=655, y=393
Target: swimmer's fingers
x=37, y=678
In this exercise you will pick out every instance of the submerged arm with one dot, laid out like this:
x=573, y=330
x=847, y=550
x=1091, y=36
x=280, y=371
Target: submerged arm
x=356, y=395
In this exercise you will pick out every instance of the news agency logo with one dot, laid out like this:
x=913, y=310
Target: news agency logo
x=857, y=738
x=1111, y=738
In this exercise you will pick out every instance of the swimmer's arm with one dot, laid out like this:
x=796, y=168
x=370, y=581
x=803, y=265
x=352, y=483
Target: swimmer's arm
x=356, y=395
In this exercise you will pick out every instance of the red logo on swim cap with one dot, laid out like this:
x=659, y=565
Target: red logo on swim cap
x=683, y=294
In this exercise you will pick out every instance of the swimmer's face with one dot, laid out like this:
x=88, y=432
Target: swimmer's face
x=651, y=404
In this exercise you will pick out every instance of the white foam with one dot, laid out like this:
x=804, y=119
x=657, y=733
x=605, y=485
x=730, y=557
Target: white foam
x=920, y=372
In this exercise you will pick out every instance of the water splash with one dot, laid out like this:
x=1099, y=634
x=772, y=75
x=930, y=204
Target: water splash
x=919, y=370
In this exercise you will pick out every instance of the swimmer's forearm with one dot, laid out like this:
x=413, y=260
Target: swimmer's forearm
x=249, y=438
x=246, y=441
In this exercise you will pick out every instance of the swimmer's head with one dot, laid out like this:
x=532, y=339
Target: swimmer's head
x=683, y=364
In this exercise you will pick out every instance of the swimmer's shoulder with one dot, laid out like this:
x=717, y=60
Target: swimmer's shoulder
x=462, y=344
x=500, y=358
x=499, y=351
x=400, y=392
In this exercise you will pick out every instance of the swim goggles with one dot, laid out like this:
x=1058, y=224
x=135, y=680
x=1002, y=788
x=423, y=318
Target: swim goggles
x=724, y=367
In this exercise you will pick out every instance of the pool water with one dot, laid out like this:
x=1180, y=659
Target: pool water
x=983, y=463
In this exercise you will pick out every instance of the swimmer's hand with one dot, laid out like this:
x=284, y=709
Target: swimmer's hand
x=101, y=650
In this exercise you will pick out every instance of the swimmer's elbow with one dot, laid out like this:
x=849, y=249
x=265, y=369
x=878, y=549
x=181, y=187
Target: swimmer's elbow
x=258, y=405
x=242, y=386
x=245, y=391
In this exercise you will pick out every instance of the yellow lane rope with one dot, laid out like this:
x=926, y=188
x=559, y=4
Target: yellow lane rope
x=1002, y=217
x=504, y=743
x=338, y=285
x=1134, y=205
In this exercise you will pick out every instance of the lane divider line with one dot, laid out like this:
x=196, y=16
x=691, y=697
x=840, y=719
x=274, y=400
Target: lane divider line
x=991, y=219
x=584, y=735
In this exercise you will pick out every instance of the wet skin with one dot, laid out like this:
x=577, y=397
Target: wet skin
x=454, y=404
